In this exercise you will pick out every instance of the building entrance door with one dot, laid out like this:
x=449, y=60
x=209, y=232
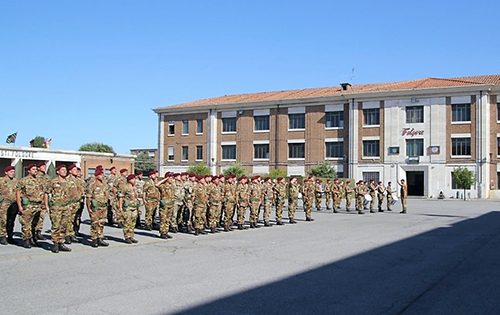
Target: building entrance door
x=415, y=183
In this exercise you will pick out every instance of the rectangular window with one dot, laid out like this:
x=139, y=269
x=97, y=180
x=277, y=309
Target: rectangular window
x=199, y=152
x=414, y=147
x=460, y=112
x=185, y=153
x=368, y=176
x=414, y=114
x=171, y=128
x=460, y=146
x=335, y=149
x=261, y=123
x=170, y=153
x=261, y=151
x=185, y=127
x=498, y=111
x=334, y=119
x=229, y=152
x=371, y=148
x=371, y=116
x=296, y=121
x=296, y=150
x=498, y=146
x=199, y=126
x=229, y=124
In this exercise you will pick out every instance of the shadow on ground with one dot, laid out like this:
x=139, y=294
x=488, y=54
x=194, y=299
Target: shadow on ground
x=450, y=270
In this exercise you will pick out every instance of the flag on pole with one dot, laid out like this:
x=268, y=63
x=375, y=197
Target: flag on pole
x=11, y=138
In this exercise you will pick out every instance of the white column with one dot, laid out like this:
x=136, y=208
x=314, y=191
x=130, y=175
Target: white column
x=212, y=141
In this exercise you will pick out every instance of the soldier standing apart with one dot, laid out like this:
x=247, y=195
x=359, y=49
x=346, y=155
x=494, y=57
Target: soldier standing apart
x=76, y=191
x=59, y=207
x=255, y=198
x=360, y=197
x=128, y=207
x=30, y=193
x=8, y=205
x=97, y=202
x=242, y=201
x=318, y=193
x=389, y=191
x=167, y=193
x=139, y=185
x=380, y=195
x=268, y=193
x=348, y=195
x=44, y=179
x=328, y=193
x=229, y=202
x=279, y=196
x=151, y=199
x=372, y=188
x=404, y=195
x=200, y=206
x=293, y=197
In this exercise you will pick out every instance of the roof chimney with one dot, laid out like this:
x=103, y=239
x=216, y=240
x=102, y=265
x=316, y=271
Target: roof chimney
x=344, y=86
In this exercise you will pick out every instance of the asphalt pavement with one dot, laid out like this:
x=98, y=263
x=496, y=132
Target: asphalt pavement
x=442, y=257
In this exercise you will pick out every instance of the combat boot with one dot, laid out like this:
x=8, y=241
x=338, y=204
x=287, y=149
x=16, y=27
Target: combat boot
x=226, y=229
x=360, y=212
x=94, y=243
x=67, y=240
x=203, y=232
x=55, y=248
x=240, y=226
x=134, y=240
x=252, y=225
x=279, y=223
x=27, y=244
x=196, y=232
x=39, y=236
x=128, y=240
x=164, y=236
x=11, y=240
x=267, y=224
x=33, y=242
x=64, y=248
x=256, y=225
x=3, y=240
x=74, y=239
x=100, y=242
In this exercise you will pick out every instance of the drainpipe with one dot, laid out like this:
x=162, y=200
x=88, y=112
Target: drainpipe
x=479, y=160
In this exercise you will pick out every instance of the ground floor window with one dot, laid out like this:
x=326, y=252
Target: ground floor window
x=368, y=176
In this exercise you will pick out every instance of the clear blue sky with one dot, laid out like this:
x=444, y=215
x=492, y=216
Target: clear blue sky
x=90, y=71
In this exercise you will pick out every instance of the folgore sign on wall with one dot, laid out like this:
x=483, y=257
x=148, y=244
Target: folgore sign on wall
x=411, y=132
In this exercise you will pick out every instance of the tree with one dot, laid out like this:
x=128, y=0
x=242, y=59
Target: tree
x=96, y=147
x=324, y=170
x=40, y=142
x=235, y=169
x=199, y=168
x=464, y=178
x=144, y=162
x=275, y=173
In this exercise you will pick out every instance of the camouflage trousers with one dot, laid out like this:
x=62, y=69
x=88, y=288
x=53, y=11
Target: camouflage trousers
x=254, y=211
x=228, y=213
x=292, y=206
x=129, y=216
x=348, y=200
x=360, y=202
x=60, y=217
x=328, y=199
x=308, y=206
x=242, y=209
x=73, y=210
x=336, y=202
x=151, y=206
x=403, y=203
x=214, y=215
x=29, y=220
x=97, y=221
x=279, y=209
x=177, y=214
x=268, y=205
x=4, y=206
x=200, y=216
x=187, y=216
x=317, y=201
x=117, y=216
x=39, y=225
x=372, y=203
x=165, y=218
x=380, y=201
x=389, y=201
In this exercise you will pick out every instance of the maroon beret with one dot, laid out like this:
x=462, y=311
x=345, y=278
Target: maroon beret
x=328, y=180
x=40, y=164
x=98, y=171
x=138, y=172
x=60, y=166
x=72, y=166
x=151, y=173
x=30, y=166
x=123, y=170
x=267, y=178
x=131, y=176
x=9, y=168
x=112, y=167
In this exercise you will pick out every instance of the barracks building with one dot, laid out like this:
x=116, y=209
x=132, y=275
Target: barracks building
x=420, y=130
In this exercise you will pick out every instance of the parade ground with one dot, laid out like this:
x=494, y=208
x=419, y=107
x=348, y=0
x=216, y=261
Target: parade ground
x=443, y=257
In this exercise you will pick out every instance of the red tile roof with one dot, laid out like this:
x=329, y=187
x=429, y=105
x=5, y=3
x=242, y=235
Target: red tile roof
x=425, y=83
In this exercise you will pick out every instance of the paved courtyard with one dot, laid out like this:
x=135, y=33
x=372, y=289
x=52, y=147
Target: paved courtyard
x=443, y=257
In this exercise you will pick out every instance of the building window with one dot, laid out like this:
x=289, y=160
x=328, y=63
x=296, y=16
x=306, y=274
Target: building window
x=498, y=111
x=371, y=116
x=368, y=176
x=498, y=146
x=170, y=153
x=334, y=119
x=460, y=147
x=460, y=112
x=199, y=126
x=296, y=121
x=261, y=123
x=185, y=127
x=199, y=152
x=171, y=128
x=335, y=149
x=229, y=124
x=371, y=148
x=414, y=147
x=296, y=150
x=261, y=151
x=229, y=152
x=185, y=153
x=414, y=114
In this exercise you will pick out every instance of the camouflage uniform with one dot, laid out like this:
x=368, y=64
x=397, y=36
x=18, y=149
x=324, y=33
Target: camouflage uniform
x=293, y=196
x=308, y=193
x=189, y=187
x=280, y=195
x=229, y=203
x=380, y=195
x=404, y=195
x=167, y=192
x=328, y=194
x=32, y=192
x=44, y=180
x=255, y=198
x=119, y=184
x=129, y=207
x=390, y=191
x=336, y=196
x=348, y=196
x=215, y=199
x=7, y=200
x=98, y=196
x=152, y=197
x=60, y=208
x=139, y=185
x=373, y=188
x=76, y=192
x=318, y=193
x=200, y=206
x=178, y=204
x=268, y=192
x=242, y=191
x=113, y=200
x=360, y=197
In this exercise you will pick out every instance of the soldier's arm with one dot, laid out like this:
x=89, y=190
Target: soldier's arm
x=46, y=201
x=19, y=203
x=120, y=204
